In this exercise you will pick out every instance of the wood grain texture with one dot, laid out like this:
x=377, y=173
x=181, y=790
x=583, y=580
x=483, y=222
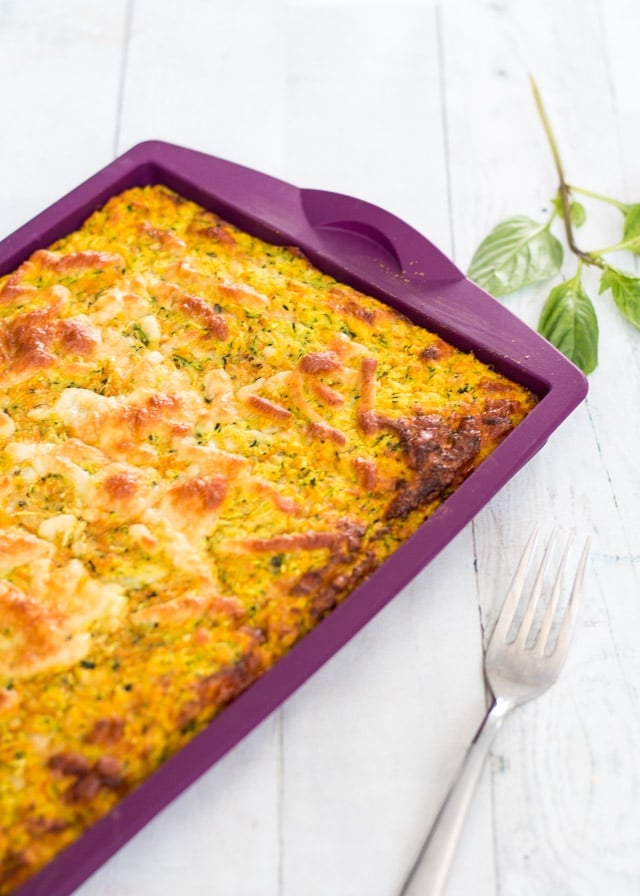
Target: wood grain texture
x=425, y=109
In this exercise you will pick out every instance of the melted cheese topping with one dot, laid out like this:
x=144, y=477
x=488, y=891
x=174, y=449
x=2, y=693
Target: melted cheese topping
x=205, y=445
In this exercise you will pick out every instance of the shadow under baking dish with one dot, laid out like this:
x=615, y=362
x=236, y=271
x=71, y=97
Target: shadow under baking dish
x=375, y=252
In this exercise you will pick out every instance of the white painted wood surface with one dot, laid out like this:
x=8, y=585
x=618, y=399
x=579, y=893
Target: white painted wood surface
x=424, y=109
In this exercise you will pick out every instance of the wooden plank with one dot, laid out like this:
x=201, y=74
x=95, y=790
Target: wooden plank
x=59, y=94
x=364, y=108
x=212, y=79
x=363, y=770
x=553, y=778
x=364, y=766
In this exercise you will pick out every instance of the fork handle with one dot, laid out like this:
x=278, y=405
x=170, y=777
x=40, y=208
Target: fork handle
x=430, y=870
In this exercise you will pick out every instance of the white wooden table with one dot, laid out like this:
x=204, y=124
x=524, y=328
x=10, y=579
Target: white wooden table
x=426, y=110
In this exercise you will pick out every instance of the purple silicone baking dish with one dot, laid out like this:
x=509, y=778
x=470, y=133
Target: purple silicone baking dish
x=379, y=254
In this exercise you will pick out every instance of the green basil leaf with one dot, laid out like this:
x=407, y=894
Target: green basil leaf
x=632, y=227
x=569, y=322
x=517, y=253
x=577, y=213
x=625, y=290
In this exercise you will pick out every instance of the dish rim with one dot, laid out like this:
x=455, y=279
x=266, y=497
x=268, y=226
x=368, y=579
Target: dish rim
x=368, y=248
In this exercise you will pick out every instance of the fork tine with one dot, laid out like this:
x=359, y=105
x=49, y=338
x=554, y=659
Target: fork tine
x=525, y=630
x=513, y=595
x=552, y=607
x=567, y=624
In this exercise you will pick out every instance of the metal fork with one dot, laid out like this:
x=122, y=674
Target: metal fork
x=527, y=649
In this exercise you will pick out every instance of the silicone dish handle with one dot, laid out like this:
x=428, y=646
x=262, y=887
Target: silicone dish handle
x=371, y=238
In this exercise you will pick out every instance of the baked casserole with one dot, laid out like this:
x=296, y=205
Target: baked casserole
x=205, y=445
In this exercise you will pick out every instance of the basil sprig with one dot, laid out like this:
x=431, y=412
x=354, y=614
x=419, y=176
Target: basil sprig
x=520, y=252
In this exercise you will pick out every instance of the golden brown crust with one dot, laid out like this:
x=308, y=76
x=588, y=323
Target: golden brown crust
x=205, y=445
